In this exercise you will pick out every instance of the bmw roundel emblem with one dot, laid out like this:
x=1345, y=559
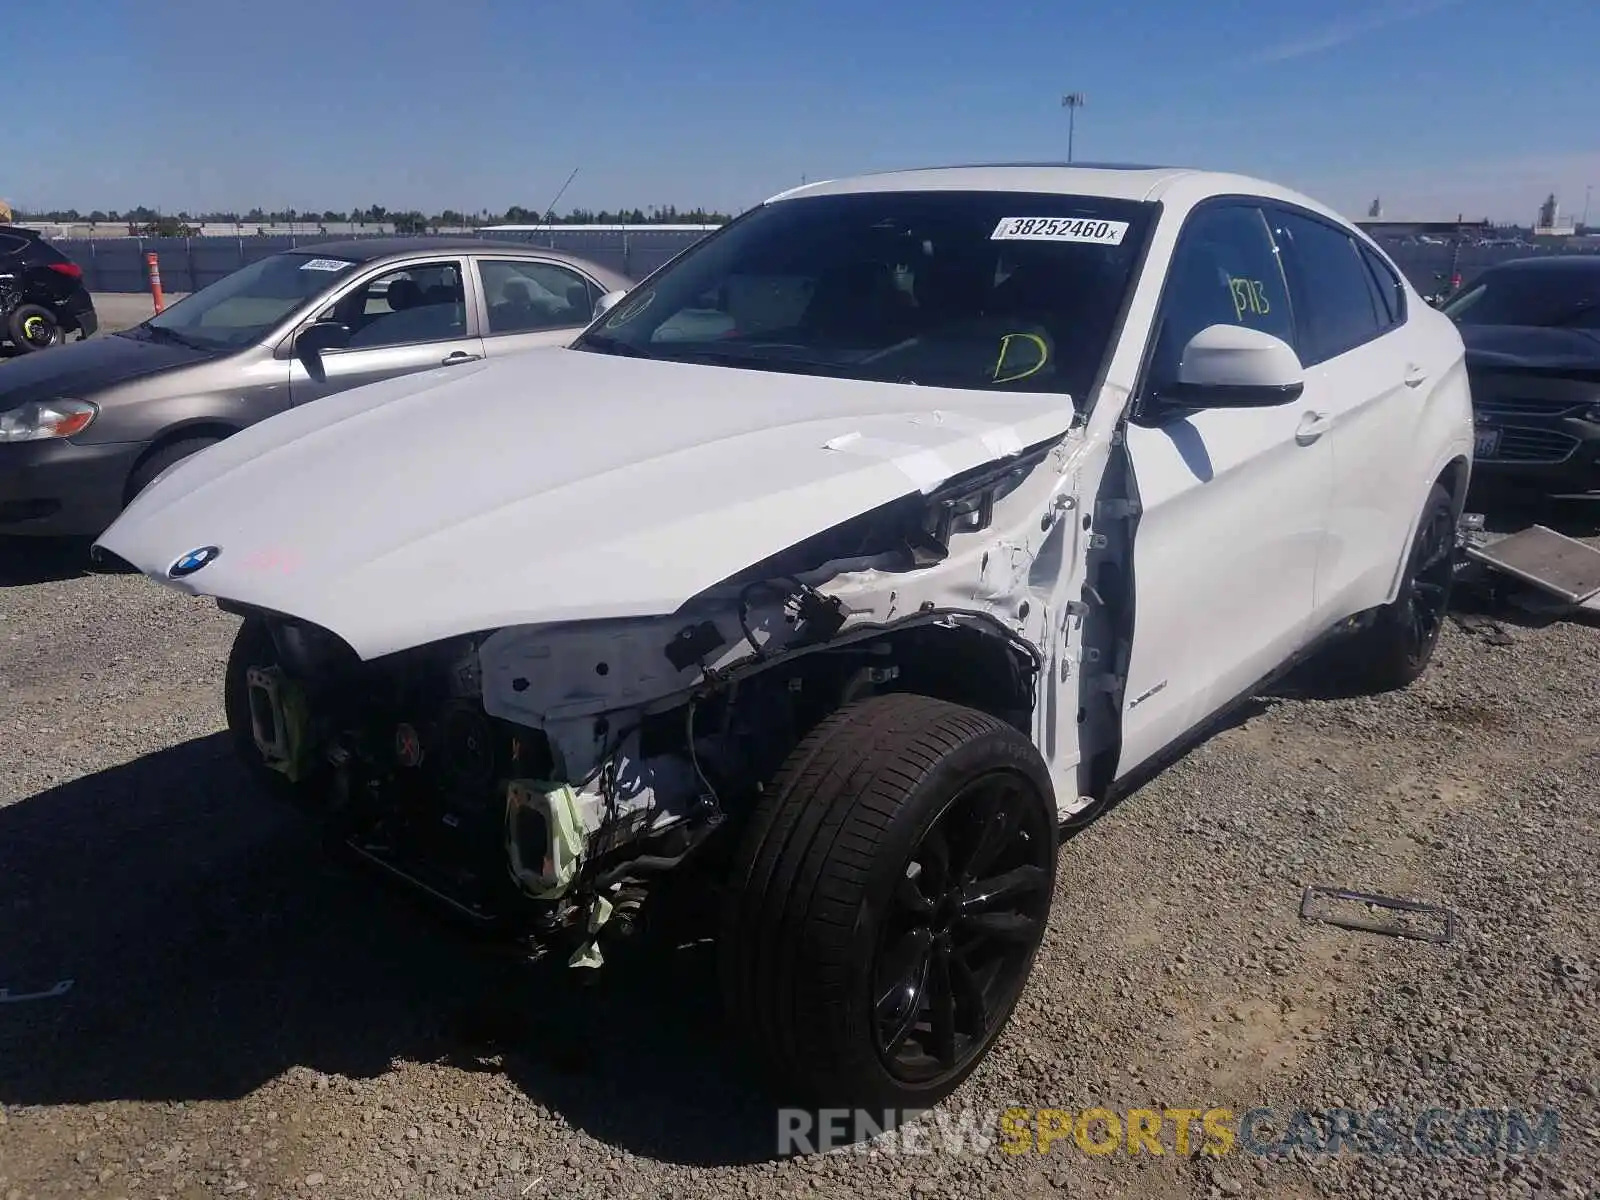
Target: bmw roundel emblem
x=193, y=561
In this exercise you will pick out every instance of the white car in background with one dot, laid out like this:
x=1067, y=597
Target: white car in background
x=842, y=563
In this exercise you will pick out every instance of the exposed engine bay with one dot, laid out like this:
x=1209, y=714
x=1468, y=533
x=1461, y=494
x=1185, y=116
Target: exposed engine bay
x=541, y=777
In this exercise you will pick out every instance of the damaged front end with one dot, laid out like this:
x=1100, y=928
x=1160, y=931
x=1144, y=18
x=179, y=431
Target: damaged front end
x=542, y=778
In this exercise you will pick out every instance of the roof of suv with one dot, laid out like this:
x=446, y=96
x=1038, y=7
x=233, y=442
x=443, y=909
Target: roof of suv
x=1113, y=180
x=34, y=244
x=1180, y=186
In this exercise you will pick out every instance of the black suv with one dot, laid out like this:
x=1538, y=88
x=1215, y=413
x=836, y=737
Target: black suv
x=42, y=297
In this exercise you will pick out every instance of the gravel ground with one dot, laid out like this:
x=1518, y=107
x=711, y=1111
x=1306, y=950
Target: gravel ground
x=246, y=1019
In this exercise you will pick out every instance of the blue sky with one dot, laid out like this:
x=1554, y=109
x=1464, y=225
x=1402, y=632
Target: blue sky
x=1476, y=106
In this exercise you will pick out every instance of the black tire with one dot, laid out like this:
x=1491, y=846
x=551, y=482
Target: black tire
x=1394, y=651
x=145, y=472
x=33, y=327
x=823, y=898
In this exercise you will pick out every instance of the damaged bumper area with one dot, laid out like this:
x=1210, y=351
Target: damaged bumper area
x=540, y=777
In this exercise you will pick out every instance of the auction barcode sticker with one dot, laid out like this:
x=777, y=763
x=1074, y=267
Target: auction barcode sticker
x=1059, y=229
x=326, y=264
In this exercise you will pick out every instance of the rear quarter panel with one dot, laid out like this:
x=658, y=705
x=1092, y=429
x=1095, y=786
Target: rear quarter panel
x=1444, y=431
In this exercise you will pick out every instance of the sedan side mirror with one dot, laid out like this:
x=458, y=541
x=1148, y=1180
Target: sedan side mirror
x=314, y=340
x=1232, y=366
x=607, y=302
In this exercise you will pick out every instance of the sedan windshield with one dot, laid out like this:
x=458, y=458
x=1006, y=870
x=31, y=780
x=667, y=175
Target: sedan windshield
x=243, y=307
x=1566, y=296
x=1008, y=291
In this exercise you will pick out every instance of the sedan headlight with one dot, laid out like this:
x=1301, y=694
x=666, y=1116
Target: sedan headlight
x=46, y=419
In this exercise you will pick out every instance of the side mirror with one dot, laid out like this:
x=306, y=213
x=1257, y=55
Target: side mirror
x=1231, y=366
x=314, y=340
x=607, y=302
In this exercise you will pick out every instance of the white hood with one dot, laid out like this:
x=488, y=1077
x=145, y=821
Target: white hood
x=553, y=485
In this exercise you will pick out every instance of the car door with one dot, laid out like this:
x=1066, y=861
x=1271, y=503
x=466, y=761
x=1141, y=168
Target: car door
x=1232, y=501
x=402, y=319
x=1371, y=379
x=532, y=302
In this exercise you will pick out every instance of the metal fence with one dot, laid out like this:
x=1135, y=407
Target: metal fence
x=189, y=264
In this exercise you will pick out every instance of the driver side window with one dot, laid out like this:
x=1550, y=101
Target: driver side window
x=424, y=302
x=1226, y=271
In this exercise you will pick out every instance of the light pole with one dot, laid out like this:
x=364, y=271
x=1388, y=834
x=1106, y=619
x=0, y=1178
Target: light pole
x=1072, y=102
x=1587, y=193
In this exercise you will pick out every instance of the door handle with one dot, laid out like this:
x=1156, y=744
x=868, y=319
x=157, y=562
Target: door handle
x=1312, y=426
x=459, y=357
x=1415, y=376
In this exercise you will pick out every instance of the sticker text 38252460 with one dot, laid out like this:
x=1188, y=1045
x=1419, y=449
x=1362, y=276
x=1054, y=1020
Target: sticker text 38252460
x=1060, y=229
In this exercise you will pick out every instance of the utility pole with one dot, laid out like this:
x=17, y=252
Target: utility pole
x=1072, y=102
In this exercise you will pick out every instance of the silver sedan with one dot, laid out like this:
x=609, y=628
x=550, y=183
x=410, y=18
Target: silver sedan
x=86, y=427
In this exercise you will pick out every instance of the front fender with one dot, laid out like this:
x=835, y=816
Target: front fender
x=158, y=417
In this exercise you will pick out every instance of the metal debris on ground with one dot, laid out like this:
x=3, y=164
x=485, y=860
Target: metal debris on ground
x=1560, y=565
x=59, y=988
x=1398, y=928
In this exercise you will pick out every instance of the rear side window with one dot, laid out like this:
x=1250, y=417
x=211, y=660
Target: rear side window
x=1333, y=289
x=1391, y=294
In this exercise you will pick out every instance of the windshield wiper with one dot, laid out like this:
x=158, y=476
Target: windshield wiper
x=789, y=366
x=610, y=345
x=162, y=333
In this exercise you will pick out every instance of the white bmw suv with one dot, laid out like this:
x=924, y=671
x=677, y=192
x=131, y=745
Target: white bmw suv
x=842, y=564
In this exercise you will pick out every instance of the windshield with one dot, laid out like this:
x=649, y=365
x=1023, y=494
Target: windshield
x=1008, y=291
x=1564, y=296
x=243, y=307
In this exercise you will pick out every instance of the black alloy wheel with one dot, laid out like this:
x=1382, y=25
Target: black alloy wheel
x=888, y=897
x=1427, y=596
x=958, y=943
x=1396, y=647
